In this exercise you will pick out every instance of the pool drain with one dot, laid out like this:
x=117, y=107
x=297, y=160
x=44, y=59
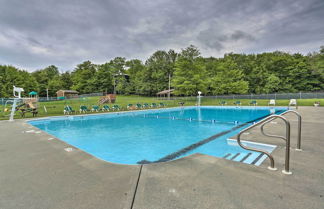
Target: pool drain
x=68, y=149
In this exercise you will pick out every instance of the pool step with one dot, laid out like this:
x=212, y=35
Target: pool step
x=257, y=159
x=248, y=158
x=245, y=157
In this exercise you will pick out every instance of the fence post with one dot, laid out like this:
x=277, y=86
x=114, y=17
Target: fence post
x=300, y=95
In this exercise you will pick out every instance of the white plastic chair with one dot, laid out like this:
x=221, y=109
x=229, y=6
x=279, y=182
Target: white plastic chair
x=272, y=102
x=293, y=102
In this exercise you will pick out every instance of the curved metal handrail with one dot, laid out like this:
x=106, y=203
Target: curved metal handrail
x=299, y=127
x=270, y=135
x=298, y=131
x=287, y=139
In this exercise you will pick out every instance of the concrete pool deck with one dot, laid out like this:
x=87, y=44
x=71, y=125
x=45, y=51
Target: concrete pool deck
x=36, y=172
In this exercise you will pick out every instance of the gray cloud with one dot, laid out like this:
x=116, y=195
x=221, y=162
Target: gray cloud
x=36, y=33
x=216, y=39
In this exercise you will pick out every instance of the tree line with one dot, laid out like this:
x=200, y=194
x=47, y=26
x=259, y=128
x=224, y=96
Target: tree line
x=186, y=71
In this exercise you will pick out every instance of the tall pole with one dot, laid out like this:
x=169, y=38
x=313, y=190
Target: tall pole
x=47, y=94
x=114, y=85
x=199, y=98
x=169, y=86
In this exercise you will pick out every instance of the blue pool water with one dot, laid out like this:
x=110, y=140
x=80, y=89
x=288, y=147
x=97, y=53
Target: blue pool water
x=156, y=135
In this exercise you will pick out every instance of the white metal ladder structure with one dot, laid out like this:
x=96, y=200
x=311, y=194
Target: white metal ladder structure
x=15, y=100
x=267, y=120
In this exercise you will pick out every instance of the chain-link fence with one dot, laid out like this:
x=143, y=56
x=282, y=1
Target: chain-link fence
x=300, y=95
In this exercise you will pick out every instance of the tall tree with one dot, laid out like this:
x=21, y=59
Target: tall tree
x=11, y=76
x=190, y=74
x=227, y=78
x=118, y=74
x=104, y=78
x=43, y=77
x=136, y=74
x=66, y=80
x=159, y=70
x=83, y=77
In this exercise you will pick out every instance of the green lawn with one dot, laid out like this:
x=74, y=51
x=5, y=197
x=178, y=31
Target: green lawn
x=55, y=108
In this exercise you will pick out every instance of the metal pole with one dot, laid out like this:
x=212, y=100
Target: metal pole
x=13, y=110
x=299, y=133
x=114, y=85
x=47, y=94
x=199, y=98
x=286, y=171
x=299, y=128
x=169, y=86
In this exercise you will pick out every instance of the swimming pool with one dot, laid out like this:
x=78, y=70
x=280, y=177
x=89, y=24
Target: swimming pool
x=159, y=135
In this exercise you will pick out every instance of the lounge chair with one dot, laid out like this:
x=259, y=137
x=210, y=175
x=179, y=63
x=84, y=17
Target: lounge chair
x=293, y=102
x=115, y=107
x=223, y=103
x=254, y=103
x=237, y=103
x=68, y=109
x=181, y=103
x=84, y=109
x=145, y=105
x=154, y=105
x=139, y=106
x=272, y=102
x=95, y=108
x=162, y=104
x=105, y=108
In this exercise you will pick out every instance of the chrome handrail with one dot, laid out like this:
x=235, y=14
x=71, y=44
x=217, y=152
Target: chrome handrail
x=298, y=131
x=299, y=127
x=287, y=139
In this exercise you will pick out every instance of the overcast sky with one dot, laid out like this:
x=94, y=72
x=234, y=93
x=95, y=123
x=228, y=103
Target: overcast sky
x=38, y=33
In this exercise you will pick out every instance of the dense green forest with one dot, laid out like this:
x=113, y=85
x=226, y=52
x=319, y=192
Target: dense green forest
x=187, y=72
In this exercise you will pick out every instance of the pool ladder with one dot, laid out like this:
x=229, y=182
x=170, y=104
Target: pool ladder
x=267, y=120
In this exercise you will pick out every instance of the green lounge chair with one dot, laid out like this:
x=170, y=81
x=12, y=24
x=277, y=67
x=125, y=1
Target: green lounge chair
x=139, y=106
x=154, y=105
x=162, y=104
x=68, y=109
x=95, y=108
x=84, y=109
x=223, y=103
x=254, y=103
x=145, y=105
x=106, y=108
x=115, y=107
x=237, y=103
